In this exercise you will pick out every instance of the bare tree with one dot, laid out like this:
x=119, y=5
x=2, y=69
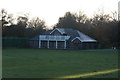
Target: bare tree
x=114, y=15
x=36, y=23
x=6, y=19
x=81, y=17
x=35, y=27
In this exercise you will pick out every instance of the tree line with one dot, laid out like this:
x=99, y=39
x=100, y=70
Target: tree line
x=102, y=27
x=23, y=27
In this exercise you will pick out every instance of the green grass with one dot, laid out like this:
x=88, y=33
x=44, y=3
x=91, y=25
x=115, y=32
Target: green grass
x=109, y=75
x=38, y=63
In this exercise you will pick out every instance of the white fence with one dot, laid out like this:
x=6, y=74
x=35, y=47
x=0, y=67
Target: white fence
x=53, y=37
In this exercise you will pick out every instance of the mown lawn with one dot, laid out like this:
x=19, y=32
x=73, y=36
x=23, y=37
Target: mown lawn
x=40, y=63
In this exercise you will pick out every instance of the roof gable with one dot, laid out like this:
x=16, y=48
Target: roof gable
x=55, y=30
x=75, y=39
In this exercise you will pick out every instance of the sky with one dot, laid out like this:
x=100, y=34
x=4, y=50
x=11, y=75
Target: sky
x=51, y=10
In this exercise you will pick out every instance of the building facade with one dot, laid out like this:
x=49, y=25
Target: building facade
x=63, y=38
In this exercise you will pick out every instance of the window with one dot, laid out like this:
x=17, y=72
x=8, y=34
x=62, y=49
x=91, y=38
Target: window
x=64, y=34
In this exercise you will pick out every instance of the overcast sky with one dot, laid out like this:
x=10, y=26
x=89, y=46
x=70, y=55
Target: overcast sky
x=51, y=10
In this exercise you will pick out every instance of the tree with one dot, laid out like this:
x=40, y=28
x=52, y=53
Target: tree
x=36, y=26
x=105, y=29
x=84, y=24
x=21, y=25
x=68, y=21
x=114, y=16
x=81, y=17
x=22, y=20
x=37, y=23
x=6, y=19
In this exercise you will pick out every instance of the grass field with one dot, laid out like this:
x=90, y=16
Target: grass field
x=39, y=63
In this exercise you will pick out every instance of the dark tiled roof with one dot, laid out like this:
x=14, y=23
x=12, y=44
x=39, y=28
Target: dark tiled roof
x=75, y=33
x=85, y=38
x=71, y=32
